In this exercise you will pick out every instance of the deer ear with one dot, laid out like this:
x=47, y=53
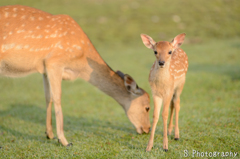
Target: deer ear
x=178, y=40
x=148, y=41
x=132, y=86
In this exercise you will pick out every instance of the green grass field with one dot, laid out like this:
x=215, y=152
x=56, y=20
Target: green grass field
x=209, y=119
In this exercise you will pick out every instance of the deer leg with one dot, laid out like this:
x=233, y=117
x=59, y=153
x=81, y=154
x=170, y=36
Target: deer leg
x=157, y=108
x=48, y=98
x=176, y=102
x=55, y=80
x=170, y=125
x=177, y=108
x=166, y=103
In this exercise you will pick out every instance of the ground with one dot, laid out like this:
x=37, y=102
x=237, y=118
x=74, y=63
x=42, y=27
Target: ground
x=95, y=124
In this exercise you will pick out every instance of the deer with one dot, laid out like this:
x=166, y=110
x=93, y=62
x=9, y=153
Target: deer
x=167, y=78
x=34, y=41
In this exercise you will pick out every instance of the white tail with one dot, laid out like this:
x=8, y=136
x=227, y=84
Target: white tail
x=55, y=46
x=167, y=78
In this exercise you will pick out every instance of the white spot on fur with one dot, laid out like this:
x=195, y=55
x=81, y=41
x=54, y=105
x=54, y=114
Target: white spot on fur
x=14, y=9
x=20, y=31
x=40, y=18
x=26, y=46
x=6, y=14
x=22, y=9
x=179, y=76
x=179, y=70
x=15, y=15
x=4, y=37
x=32, y=18
x=82, y=41
x=38, y=27
x=53, y=35
x=59, y=45
x=18, y=47
x=7, y=47
x=23, y=17
x=23, y=25
x=77, y=47
x=7, y=24
x=10, y=33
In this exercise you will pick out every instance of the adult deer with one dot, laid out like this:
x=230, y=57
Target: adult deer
x=167, y=78
x=54, y=45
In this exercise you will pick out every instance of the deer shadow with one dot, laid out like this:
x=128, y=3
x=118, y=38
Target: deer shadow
x=37, y=115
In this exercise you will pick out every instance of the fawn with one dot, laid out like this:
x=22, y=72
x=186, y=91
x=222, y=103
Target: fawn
x=166, y=78
x=55, y=46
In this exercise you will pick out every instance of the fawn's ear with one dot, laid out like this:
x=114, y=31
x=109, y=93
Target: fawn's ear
x=148, y=41
x=132, y=86
x=178, y=40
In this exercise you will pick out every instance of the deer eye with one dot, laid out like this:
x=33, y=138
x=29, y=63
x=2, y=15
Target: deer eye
x=147, y=109
x=155, y=52
x=170, y=52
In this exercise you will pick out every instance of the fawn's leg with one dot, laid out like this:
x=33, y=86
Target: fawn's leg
x=176, y=102
x=55, y=80
x=177, y=108
x=170, y=125
x=157, y=107
x=166, y=103
x=48, y=98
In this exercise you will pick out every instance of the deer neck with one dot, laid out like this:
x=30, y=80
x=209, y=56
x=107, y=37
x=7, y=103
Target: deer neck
x=161, y=72
x=159, y=79
x=104, y=78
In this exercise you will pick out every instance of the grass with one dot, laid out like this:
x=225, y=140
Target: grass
x=95, y=123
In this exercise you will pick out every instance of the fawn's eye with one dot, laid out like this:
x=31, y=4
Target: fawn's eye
x=170, y=52
x=155, y=52
x=147, y=109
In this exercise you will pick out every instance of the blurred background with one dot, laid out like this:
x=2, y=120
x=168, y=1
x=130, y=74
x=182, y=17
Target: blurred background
x=122, y=21
x=210, y=102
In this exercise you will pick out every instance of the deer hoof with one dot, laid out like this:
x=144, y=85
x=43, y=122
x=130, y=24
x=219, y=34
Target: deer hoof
x=176, y=139
x=166, y=150
x=69, y=145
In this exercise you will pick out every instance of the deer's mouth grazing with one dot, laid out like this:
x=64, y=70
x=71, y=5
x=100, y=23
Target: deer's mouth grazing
x=142, y=130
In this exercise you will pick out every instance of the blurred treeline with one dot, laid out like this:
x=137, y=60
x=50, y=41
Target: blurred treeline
x=122, y=21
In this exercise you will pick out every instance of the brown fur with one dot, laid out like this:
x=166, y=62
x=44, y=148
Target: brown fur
x=55, y=46
x=166, y=82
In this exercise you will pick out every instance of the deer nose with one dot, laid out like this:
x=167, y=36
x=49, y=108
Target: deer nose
x=161, y=63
